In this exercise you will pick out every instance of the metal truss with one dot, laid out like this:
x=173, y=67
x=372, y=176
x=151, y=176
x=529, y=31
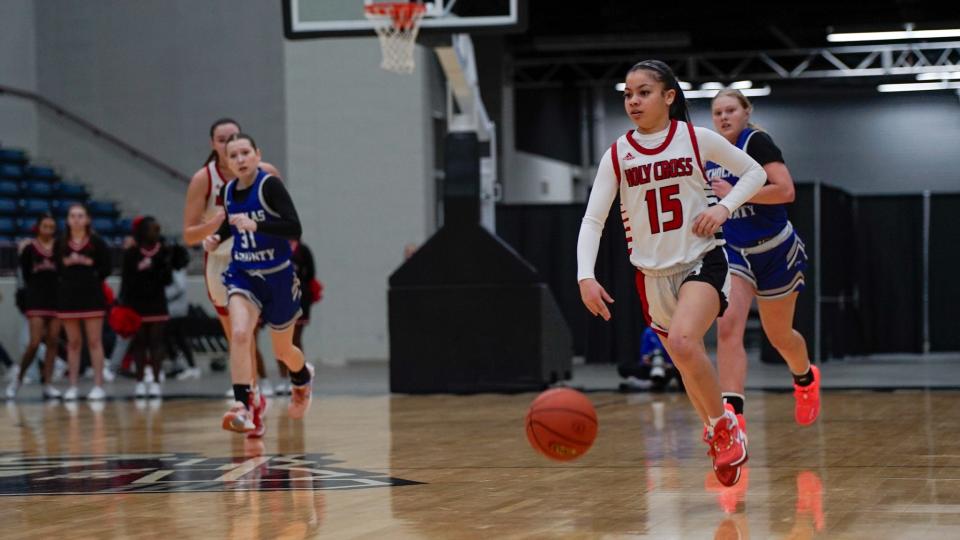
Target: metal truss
x=778, y=65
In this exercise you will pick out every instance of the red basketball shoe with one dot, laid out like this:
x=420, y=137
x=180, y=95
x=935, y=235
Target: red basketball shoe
x=806, y=406
x=238, y=419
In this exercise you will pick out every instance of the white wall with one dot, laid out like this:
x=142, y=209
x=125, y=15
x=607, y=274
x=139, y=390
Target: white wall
x=157, y=73
x=18, y=69
x=360, y=150
x=532, y=179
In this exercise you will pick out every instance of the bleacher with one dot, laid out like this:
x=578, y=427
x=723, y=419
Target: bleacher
x=28, y=190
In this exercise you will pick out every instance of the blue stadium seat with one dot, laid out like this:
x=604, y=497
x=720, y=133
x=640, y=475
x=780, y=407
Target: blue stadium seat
x=34, y=207
x=37, y=188
x=13, y=155
x=25, y=226
x=41, y=173
x=9, y=188
x=103, y=209
x=9, y=206
x=104, y=226
x=66, y=190
x=8, y=226
x=11, y=171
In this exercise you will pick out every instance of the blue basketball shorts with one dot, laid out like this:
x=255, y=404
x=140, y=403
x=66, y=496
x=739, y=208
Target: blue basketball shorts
x=276, y=292
x=774, y=267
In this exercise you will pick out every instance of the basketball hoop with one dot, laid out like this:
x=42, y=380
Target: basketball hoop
x=397, y=25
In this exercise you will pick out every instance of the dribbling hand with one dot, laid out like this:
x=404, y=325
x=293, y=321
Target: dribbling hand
x=211, y=242
x=710, y=220
x=595, y=298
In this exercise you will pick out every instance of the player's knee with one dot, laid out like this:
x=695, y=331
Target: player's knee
x=241, y=336
x=783, y=339
x=682, y=347
x=730, y=331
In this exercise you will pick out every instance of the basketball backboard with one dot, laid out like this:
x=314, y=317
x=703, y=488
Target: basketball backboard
x=309, y=19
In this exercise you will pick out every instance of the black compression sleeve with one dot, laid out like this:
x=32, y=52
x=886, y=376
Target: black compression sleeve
x=225, y=231
x=276, y=197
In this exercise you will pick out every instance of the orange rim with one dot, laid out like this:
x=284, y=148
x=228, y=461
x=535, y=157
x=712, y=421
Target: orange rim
x=402, y=13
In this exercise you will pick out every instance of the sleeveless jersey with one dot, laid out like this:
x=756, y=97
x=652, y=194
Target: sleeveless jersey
x=214, y=190
x=215, y=201
x=751, y=222
x=662, y=190
x=253, y=250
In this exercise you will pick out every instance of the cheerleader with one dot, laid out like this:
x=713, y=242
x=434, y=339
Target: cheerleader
x=146, y=274
x=83, y=262
x=39, y=271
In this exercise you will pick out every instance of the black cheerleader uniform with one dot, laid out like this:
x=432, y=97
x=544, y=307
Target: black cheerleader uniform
x=39, y=270
x=303, y=266
x=146, y=274
x=83, y=266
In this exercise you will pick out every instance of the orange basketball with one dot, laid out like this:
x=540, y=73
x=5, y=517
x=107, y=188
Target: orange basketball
x=561, y=424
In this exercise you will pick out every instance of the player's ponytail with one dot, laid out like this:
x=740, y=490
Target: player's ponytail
x=665, y=75
x=213, y=127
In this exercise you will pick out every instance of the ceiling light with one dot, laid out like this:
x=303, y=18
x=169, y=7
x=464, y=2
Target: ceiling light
x=709, y=94
x=909, y=33
x=620, y=87
x=917, y=87
x=741, y=85
x=938, y=76
x=684, y=85
x=711, y=86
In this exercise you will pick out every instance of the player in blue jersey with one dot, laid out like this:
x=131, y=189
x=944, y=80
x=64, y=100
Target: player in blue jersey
x=260, y=282
x=767, y=260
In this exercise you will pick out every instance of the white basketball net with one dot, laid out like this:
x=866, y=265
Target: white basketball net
x=397, y=26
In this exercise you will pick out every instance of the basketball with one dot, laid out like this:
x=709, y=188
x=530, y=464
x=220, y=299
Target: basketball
x=561, y=424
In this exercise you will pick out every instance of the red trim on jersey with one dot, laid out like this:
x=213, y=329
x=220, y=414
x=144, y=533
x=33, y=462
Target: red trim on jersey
x=615, y=157
x=642, y=291
x=657, y=150
x=206, y=169
x=154, y=318
x=696, y=151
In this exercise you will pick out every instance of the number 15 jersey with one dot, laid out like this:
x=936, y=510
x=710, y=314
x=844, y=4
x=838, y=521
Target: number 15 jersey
x=662, y=188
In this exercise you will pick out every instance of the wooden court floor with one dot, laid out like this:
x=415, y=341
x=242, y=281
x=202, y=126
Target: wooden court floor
x=878, y=465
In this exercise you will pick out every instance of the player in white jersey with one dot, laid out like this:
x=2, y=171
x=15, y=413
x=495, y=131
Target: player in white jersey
x=767, y=260
x=203, y=212
x=672, y=221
